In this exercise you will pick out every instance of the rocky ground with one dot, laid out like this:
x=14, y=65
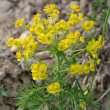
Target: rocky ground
x=12, y=72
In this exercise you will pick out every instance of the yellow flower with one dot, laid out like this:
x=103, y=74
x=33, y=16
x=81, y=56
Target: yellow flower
x=63, y=45
x=99, y=39
x=56, y=28
x=98, y=61
x=45, y=22
x=39, y=28
x=48, y=38
x=33, y=66
x=83, y=105
x=86, y=68
x=71, y=37
x=32, y=28
x=19, y=22
x=50, y=88
x=37, y=18
x=25, y=42
x=30, y=37
x=77, y=34
x=53, y=6
x=82, y=39
x=57, y=87
x=62, y=24
x=92, y=66
x=9, y=43
x=75, y=7
x=73, y=69
x=81, y=16
x=56, y=12
x=38, y=71
x=42, y=76
x=41, y=38
x=94, y=55
x=74, y=18
x=19, y=56
x=16, y=42
x=50, y=28
x=42, y=68
x=88, y=25
x=93, y=46
x=35, y=76
x=32, y=45
x=80, y=68
x=53, y=88
x=68, y=24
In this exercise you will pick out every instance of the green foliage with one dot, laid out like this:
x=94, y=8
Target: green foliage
x=89, y=38
x=99, y=5
x=34, y=97
x=2, y=91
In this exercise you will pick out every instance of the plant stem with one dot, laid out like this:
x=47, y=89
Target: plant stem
x=63, y=35
x=56, y=38
x=103, y=32
x=59, y=79
x=74, y=75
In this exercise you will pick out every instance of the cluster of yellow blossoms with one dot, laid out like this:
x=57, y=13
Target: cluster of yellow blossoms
x=38, y=71
x=46, y=34
x=28, y=43
x=86, y=68
x=51, y=9
x=93, y=46
x=53, y=88
x=71, y=38
x=19, y=22
x=77, y=68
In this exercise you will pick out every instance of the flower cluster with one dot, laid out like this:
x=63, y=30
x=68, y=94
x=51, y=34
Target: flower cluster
x=53, y=88
x=28, y=43
x=38, y=71
x=75, y=7
x=71, y=38
x=93, y=46
x=18, y=23
x=51, y=9
x=46, y=33
x=77, y=68
x=87, y=25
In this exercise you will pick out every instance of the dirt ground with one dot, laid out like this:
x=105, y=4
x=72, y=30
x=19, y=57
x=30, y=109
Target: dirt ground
x=12, y=71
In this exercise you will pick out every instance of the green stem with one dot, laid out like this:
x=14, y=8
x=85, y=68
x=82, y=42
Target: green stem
x=59, y=78
x=63, y=35
x=56, y=38
x=74, y=75
x=103, y=32
x=80, y=30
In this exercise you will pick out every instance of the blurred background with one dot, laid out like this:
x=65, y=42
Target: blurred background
x=12, y=72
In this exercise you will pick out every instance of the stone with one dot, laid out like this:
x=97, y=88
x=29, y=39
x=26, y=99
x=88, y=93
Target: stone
x=12, y=69
x=5, y=107
x=65, y=1
x=43, y=55
x=11, y=86
x=82, y=5
x=26, y=65
x=2, y=74
x=28, y=11
x=4, y=6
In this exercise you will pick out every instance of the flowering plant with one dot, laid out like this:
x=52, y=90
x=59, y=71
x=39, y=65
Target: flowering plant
x=56, y=92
